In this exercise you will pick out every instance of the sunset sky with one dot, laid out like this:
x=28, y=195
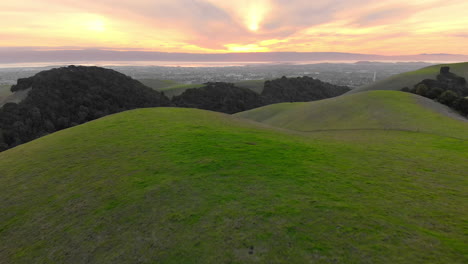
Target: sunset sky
x=387, y=27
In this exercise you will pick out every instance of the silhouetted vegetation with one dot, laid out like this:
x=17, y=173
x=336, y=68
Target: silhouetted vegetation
x=228, y=98
x=220, y=97
x=301, y=89
x=449, y=89
x=65, y=97
x=60, y=98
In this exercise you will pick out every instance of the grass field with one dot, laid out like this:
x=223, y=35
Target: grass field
x=167, y=185
x=4, y=91
x=179, y=89
x=409, y=79
x=385, y=110
x=172, y=88
x=254, y=85
x=157, y=84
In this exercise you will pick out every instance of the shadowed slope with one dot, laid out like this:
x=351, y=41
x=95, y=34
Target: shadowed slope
x=4, y=92
x=172, y=185
x=409, y=79
x=254, y=85
x=370, y=110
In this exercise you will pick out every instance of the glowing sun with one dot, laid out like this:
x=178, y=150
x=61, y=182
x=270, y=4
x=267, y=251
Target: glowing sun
x=97, y=25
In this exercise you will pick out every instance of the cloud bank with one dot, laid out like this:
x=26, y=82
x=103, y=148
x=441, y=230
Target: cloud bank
x=386, y=27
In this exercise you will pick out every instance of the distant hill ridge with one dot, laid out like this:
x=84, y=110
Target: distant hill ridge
x=219, y=97
x=409, y=79
x=373, y=110
x=447, y=80
x=300, y=89
x=449, y=89
x=229, y=98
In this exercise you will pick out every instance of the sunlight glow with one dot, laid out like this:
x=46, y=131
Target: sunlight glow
x=96, y=25
x=385, y=27
x=256, y=11
x=245, y=48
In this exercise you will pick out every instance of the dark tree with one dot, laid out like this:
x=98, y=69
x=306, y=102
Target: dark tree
x=447, y=97
x=64, y=97
x=220, y=97
x=301, y=89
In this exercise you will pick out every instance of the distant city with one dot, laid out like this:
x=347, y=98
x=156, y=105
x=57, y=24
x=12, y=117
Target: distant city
x=348, y=74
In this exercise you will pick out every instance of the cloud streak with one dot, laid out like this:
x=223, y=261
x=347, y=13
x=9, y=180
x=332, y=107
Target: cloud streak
x=202, y=26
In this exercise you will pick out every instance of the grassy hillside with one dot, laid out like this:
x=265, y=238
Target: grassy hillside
x=179, y=89
x=254, y=85
x=168, y=185
x=409, y=79
x=386, y=110
x=157, y=84
x=4, y=92
x=172, y=88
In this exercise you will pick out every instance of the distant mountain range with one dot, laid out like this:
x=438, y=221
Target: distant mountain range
x=21, y=55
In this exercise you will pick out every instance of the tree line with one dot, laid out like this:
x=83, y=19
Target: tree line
x=66, y=97
x=449, y=89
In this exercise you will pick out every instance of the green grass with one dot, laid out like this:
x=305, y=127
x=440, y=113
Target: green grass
x=4, y=91
x=167, y=185
x=409, y=79
x=157, y=84
x=384, y=110
x=172, y=88
x=179, y=89
x=254, y=85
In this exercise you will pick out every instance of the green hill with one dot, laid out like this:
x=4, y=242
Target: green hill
x=172, y=88
x=169, y=87
x=4, y=92
x=409, y=79
x=254, y=85
x=157, y=84
x=375, y=110
x=179, y=89
x=167, y=185
x=175, y=90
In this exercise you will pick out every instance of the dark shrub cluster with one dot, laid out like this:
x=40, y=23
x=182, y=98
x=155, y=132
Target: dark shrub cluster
x=227, y=98
x=449, y=89
x=301, y=89
x=219, y=97
x=64, y=97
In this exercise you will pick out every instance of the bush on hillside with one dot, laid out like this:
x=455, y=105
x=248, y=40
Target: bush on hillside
x=220, y=97
x=300, y=89
x=447, y=98
x=449, y=89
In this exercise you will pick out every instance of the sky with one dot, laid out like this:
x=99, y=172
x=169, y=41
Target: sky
x=385, y=27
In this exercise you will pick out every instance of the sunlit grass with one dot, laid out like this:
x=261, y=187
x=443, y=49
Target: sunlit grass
x=167, y=185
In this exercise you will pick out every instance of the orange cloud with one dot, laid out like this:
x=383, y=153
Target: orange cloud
x=386, y=27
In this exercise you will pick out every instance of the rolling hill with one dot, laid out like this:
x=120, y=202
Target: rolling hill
x=178, y=89
x=254, y=85
x=409, y=79
x=374, y=110
x=4, y=92
x=172, y=88
x=158, y=84
x=169, y=87
x=172, y=185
